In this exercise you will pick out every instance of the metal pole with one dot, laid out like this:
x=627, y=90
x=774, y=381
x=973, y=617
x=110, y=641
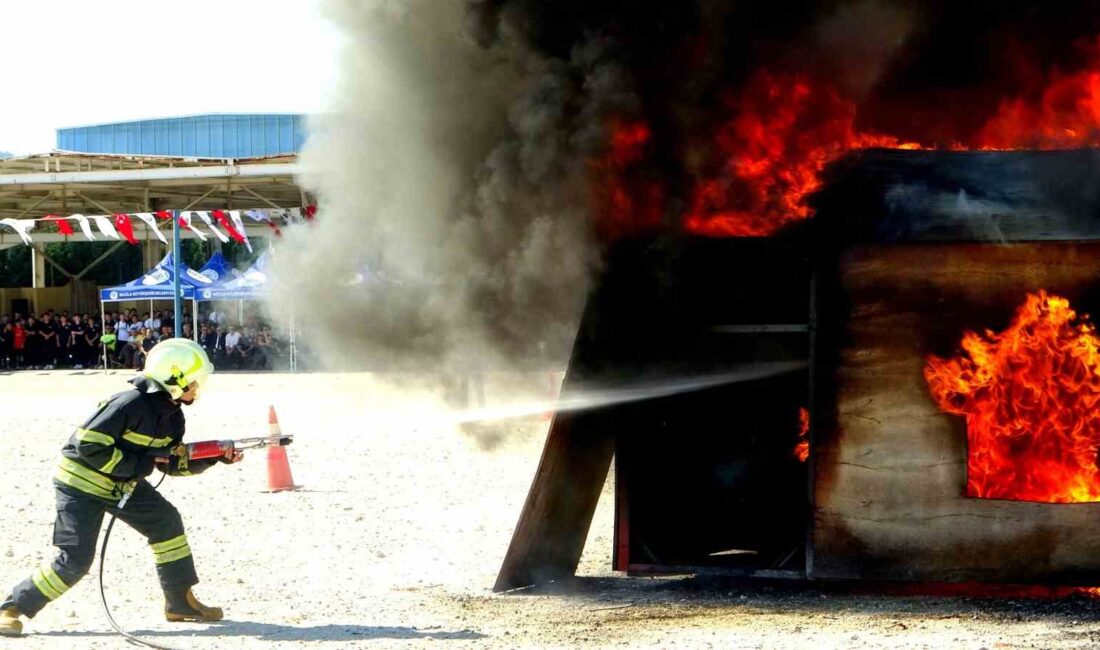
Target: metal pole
x=102, y=331
x=177, y=301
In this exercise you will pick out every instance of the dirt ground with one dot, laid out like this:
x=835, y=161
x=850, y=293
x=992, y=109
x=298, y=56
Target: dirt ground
x=396, y=536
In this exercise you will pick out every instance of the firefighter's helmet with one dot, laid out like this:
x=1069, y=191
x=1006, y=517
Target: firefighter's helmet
x=175, y=364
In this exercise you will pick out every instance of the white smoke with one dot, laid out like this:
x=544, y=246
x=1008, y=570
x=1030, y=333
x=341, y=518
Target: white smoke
x=453, y=195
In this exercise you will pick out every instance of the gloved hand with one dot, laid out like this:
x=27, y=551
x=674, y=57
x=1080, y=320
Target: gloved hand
x=231, y=456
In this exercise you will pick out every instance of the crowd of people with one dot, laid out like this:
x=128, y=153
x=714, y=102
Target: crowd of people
x=60, y=340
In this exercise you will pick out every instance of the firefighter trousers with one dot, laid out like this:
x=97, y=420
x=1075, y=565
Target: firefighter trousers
x=76, y=530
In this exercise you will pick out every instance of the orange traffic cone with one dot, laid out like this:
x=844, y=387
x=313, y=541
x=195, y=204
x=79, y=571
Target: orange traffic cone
x=278, y=465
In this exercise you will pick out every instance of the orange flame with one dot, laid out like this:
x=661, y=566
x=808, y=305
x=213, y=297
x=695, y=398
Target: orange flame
x=1030, y=396
x=802, y=449
x=1064, y=113
x=783, y=131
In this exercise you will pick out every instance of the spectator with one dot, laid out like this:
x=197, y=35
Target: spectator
x=165, y=332
x=122, y=331
x=18, y=341
x=78, y=351
x=231, y=341
x=92, y=342
x=188, y=333
x=147, y=343
x=61, y=336
x=127, y=353
x=33, y=343
x=217, y=318
x=134, y=326
x=208, y=340
x=7, y=340
x=244, y=350
x=265, y=351
x=152, y=323
x=47, y=331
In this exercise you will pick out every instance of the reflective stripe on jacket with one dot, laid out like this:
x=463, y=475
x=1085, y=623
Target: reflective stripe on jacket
x=110, y=448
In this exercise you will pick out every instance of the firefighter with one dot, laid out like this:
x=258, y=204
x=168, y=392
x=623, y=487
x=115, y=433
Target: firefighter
x=103, y=468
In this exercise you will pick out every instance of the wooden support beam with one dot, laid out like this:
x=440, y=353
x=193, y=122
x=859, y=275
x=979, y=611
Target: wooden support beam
x=550, y=535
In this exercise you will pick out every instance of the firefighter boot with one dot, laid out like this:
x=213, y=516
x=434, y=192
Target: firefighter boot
x=182, y=606
x=10, y=625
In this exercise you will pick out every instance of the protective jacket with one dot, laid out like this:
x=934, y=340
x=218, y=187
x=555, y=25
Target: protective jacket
x=116, y=446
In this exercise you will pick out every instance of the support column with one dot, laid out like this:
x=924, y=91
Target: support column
x=38, y=269
x=151, y=252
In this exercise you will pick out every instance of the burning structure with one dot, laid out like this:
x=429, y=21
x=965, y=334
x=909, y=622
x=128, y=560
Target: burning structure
x=949, y=381
x=921, y=235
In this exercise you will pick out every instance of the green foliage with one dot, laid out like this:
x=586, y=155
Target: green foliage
x=15, y=267
x=122, y=265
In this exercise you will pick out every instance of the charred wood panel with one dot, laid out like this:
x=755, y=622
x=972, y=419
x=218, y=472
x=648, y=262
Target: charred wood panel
x=889, y=466
x=897, y=196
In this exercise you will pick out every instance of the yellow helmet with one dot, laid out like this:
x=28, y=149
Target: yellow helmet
x=175, y=364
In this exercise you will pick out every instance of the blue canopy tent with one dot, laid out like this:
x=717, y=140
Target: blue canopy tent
x=250, y=285
x=157, y=284
x=218, y=270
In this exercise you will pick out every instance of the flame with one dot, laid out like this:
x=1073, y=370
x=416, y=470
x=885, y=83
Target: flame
x=802, y=449
x=629, y=202
x=782, y=132
x=1030, y=396
x=1064, y=112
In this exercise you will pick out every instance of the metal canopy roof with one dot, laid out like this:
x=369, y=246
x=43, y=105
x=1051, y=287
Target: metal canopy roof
x=68, y=183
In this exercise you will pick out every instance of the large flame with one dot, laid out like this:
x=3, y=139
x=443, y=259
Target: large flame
x=779, y=132
x=782, y=131
x=1063, y=112
x=1030, y=395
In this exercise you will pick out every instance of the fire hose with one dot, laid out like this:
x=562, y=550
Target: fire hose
x=192, y=451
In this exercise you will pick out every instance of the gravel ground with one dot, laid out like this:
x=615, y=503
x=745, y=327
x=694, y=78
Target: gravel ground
x=398, y=531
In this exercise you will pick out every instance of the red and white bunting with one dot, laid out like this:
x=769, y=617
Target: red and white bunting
x=120, y=226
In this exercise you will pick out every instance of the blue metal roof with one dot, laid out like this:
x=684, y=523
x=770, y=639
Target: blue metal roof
x=211, y=136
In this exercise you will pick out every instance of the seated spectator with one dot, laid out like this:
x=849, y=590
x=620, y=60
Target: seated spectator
x=110, y=346
x=244, y=349
x=267, y=351
x=232, y=339
x=148, y=341
x=128, y=355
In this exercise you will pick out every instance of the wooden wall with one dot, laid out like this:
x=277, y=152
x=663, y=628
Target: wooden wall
x=889, y=466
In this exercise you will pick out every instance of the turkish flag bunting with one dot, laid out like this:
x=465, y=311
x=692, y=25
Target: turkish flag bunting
x=124, y=227
x=311, y=211
x=163, y=214
x=220, y=217
x=63, y=225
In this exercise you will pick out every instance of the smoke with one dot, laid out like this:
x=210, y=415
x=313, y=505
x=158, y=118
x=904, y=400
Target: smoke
x=478, y=153
x=453, y=195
